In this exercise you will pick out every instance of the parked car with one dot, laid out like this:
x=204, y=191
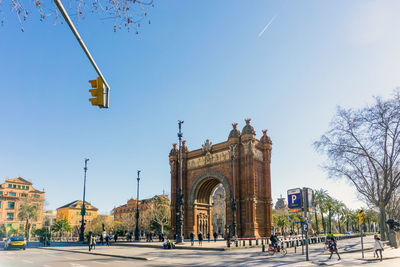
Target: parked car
x=15, y=242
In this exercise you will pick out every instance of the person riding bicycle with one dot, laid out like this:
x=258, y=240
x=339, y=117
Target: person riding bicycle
x=274, y=240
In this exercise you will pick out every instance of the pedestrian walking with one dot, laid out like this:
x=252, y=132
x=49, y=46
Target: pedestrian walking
x=90, y=241
x=200, y=237
x=108, y=240
x=101, y=240
x=208, y=237
x=115, y=237
x=94, y=242
x=215, y=236
x=378, y=246
x=333, y=248
x=192, y=238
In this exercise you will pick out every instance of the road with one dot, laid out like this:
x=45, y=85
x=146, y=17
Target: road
x=79, y=257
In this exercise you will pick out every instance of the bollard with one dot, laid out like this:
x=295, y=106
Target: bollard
x=295, y=249
x=244, y=243
x=256, y=242
x=236, y=243
x=250, y=242
x=263, y=248
x=228, y=243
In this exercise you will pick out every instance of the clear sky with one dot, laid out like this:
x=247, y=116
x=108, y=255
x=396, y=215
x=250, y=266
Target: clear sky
x=199, y=61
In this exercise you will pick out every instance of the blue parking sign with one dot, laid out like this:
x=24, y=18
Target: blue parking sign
x=295, y=198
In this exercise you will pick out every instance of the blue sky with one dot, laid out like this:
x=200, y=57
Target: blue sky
x=199, y=61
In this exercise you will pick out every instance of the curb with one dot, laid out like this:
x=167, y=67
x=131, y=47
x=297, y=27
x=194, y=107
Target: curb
x=98, y=254
x=160, y=247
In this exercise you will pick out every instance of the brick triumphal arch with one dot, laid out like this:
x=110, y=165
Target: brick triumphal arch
x=206, y=168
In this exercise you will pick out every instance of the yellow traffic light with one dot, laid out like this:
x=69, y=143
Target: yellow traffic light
x=361, y=216
x=97, y=92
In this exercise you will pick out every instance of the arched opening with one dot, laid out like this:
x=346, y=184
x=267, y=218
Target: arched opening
x=210, y=208
x=219, y=211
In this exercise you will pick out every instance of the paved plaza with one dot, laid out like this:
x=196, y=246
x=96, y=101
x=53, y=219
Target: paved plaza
x=148, y=256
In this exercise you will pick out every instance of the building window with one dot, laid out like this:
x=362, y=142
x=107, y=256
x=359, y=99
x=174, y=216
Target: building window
x=77, y=213
x=1, y=193
x=9, y=185
x=10, y=216
x=27, y=187
x=19, y=187
x=23, y=187
x=12, y=194
x=24, y=195
x=90, y=213
x=0, y=204
x=36, y=196
x=14, y=186
x=10, y=205
x=9, y=225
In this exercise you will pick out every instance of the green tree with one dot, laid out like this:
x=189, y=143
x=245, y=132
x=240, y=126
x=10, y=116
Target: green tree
x=61, y=226
x=28, y=212
x=283, y=222
x=318, y=204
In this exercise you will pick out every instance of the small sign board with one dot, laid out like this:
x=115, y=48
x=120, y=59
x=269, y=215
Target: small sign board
x=305, y=227
x=295, y=199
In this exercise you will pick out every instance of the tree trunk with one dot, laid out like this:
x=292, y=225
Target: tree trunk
x=338, y=220
x=323, y=222
x=162, y=228
x=316, y=221
x=382, y=222
x=330, y=221
x=347, y=224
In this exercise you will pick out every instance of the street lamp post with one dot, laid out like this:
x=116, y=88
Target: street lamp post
x=137, y=209
x=179, y=202
x=83, y=209
x=234, y=232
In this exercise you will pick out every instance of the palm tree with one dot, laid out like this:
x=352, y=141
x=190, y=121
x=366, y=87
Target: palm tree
x=318, y=199
x=28, y=213
x=338, y=209
x=329, y=204
x=283, y=222
x=61, y=226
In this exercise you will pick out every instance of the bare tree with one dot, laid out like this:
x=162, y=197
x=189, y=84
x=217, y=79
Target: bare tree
x=124, y=13
x=364, y=146
x=160, y=211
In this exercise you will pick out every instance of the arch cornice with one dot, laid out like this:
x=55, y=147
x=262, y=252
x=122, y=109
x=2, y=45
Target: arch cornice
x=204, y=176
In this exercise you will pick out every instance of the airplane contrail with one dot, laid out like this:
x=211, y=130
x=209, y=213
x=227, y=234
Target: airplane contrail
x=267, y=26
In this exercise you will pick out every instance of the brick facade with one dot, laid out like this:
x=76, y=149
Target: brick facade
x=204, y=169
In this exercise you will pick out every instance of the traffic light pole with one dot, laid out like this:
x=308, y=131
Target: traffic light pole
x=362, y=241
x=305, y=206
x=83, y=209
x=85, y=49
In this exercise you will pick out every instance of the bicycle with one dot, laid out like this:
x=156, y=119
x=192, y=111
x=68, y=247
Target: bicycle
x=279, y=249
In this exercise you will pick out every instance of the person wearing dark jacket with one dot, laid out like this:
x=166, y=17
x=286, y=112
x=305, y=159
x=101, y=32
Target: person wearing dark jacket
x=192, y=238
x=200, y=237
x=215, y=236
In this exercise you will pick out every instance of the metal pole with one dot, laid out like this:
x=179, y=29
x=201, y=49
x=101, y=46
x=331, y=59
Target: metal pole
x=179, y=225
x=137, y=209
x=305, y=206
x=80, y=41
x=362, y=243
x=234, y=230
x=83, y=209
